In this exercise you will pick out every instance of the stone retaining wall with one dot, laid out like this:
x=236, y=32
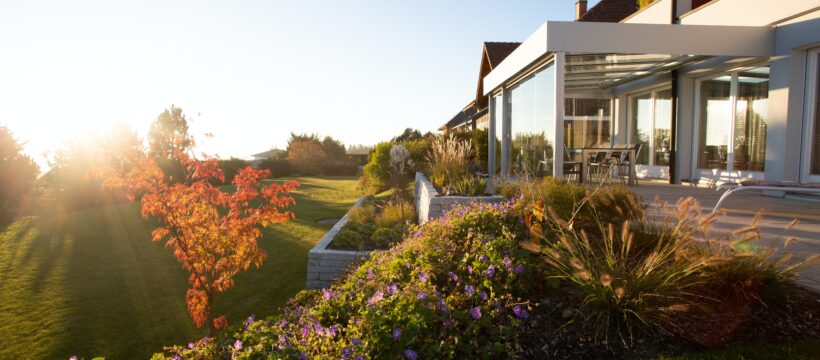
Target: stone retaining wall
x=325, y=265
x=430, y=205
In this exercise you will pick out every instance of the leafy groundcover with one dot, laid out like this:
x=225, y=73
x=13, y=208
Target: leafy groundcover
x=474, y=284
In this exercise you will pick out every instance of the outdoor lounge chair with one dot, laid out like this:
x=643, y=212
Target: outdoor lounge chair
x=732, y=188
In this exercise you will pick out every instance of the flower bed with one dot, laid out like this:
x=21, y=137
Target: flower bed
x=376, y=224
x=518, y=280
x=431, y=205
x=325, y=265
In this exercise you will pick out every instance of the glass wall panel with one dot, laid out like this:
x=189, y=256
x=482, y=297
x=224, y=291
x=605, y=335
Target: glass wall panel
x=641, y=113
x=586, y=122
x=499, y=120
x=663, y=124
x=533, y=124
x=751, y=113
x=815, y=139
x=715, y=122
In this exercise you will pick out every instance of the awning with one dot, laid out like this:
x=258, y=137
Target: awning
x=602, y=55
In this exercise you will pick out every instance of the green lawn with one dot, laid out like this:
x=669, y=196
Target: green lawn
x=91, y=283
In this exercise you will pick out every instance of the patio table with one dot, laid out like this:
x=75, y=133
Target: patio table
x=586, y=151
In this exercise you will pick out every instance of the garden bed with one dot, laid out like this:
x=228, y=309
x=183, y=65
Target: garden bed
x=324, y=264
x=430, y=204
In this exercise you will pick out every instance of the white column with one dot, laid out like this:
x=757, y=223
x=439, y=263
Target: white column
x=491, y=142
x=558, y=141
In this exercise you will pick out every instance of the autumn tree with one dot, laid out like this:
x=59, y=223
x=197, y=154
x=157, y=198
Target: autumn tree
x=213, y=233
x=169, y=133
x=18, y=173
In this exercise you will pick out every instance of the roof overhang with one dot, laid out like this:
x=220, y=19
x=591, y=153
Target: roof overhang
x=663, y=47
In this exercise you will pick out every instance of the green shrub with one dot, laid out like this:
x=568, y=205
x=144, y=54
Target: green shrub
x=278, y=167
x=470, y=186
x=384, y=238
x=339, y=168
x=354, y=235
x=376, y=177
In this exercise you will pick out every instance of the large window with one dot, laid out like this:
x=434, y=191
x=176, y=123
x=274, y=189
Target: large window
x=533, y=124
x=641, y=114
x=499, y=120
x=813, y=116
x=733, y=116
x=586, y=122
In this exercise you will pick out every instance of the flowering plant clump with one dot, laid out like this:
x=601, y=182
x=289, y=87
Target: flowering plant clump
x=451, y=290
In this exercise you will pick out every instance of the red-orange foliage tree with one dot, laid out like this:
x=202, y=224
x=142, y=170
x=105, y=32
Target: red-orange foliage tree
x=213, y=233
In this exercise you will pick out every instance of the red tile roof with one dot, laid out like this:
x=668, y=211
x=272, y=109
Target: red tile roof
x=610, y=11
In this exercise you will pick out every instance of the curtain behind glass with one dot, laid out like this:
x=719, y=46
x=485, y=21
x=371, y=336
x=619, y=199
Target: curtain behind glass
x=751, y=114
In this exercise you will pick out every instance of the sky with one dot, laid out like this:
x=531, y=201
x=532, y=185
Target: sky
x=248, y=72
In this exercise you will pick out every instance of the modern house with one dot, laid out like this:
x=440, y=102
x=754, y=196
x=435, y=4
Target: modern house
x=716, y=90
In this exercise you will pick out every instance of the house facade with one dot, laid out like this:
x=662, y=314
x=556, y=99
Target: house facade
x=718, y=90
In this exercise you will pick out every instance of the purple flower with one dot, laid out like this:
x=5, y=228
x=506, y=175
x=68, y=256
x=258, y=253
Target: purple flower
x=346, y=352
x=302, y=356
x=249, y=321
x=423, y=277
x=410, y=354
x=392, y=289
x=283, y=323
x=469, y=269
x=237, y=345
x=191, y=345
x=73, y=357
x=521, y=312
x=355, y=341
x=483, y=296
x=452, y=276
x=305, y=330
x=520, y=269
x=508, y=262
x=443, y=306
x=334, y=330
x=483, y=258
x=470, y=290
x=176, y=357
x=327, y=294
x=370, y=274
x=490, y=271
x=421, y=296
x=359, y=357
x=377, y=297
x=475, y=313
x=396, y=334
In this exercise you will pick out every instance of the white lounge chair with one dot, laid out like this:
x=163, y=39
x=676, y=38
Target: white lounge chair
x=732, y=188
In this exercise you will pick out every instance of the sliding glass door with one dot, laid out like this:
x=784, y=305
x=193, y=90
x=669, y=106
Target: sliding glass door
x=811, y=151
x=733, y=123
x=650, y=118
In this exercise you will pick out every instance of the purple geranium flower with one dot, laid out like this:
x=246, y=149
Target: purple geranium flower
x=469, y=269
x=490, y=271
x=483, y=296
x=302, y=356
x=508, y=262
x=421, y=296
x=355, y=341
x=410, y=354
x=73, y=357
x=359, y=357
x=521, y=312
x=475, y=312
x=249, y=321
x=483, y=258
x=423, y=277
x=443, y=306
x=396, y=334
x=370, y=274
x=452, y=276
x=520, y=269
x=377, y=297
x=237, y=345
x=346, y=352
x=392, y=289
x=470, y=290
x=191, y=345
x=327, y=294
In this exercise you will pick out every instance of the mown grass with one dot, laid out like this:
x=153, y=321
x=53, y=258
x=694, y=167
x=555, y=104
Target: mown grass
x=91, y=283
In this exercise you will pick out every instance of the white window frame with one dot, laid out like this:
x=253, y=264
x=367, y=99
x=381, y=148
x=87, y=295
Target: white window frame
x=728, y=174
x=811, y=108
x=647, y=170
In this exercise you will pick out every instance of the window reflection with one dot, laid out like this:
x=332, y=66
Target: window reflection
x=751, y=114
x=641, y=108
x=533, y=124
x=715, y=117
x=586, y=122
x=663, y=124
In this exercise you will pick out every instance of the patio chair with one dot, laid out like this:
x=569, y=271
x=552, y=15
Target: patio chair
x=731, y=188
x=596, y=163
x=625, y=163
x=571, y=167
